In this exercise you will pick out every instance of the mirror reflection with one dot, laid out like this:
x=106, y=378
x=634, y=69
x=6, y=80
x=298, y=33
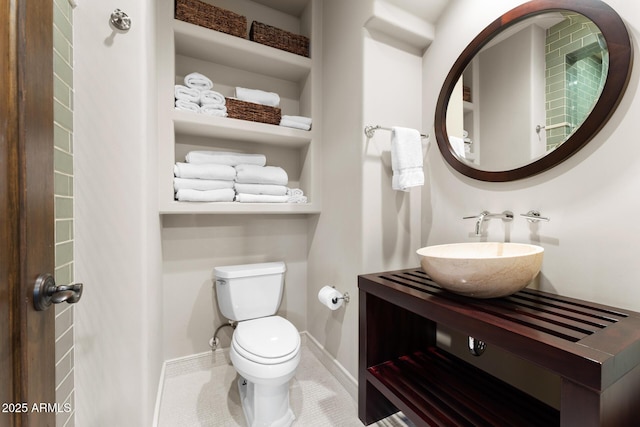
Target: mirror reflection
x=527, y=91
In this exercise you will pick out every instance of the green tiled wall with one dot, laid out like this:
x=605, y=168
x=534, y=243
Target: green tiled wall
x=63, y=190
x=572, y=55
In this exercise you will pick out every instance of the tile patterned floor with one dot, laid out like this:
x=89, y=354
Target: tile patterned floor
x=202, y=393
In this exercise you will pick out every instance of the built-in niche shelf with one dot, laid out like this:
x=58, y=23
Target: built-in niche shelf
x=176, y=207
x=238, y=53
x=223, y=127
x=232, y=61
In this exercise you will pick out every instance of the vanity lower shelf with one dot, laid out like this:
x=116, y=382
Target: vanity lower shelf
x=594, y=350
x=442, y=389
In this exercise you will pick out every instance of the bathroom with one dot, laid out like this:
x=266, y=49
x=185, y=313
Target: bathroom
x=148, y=277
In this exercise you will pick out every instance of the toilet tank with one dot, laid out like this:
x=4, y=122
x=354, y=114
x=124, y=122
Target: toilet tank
x=249, y=291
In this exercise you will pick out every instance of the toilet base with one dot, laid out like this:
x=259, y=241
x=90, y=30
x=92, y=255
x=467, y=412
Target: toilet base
x=265, y=405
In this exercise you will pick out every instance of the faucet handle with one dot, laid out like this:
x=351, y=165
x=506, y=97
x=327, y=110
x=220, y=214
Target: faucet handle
x=481, y=214
x=534, y=216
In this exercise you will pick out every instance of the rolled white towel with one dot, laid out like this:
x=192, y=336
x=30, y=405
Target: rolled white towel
x=253, y=174
x=189, y=195
x=200, y=184
x=184, y=105
x=198, y=81
x=294, y=124
x=260, y=198
x=297, y=199
x=225, y=158
x=211, y=97
x=296, y=195
x=214, y=110
x=294, y=192
x=299, y=119
x=187, y=93
x=204, y=171
x=258, y=96
x=268, y=189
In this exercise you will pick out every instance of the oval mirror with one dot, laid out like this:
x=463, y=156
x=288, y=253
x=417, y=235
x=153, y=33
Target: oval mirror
x=533, y=88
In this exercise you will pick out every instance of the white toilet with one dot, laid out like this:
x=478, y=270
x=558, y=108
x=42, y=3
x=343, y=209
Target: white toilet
x=265, y=349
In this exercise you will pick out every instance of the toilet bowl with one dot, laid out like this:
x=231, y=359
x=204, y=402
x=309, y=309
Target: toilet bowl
x=265, y=352
x=265, y=348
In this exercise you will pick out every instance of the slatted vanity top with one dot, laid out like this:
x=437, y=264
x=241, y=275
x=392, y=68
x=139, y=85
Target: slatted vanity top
x=590, y=344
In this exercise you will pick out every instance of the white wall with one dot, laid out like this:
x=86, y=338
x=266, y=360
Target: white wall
x=335, y=252
x=365, y=226
x=118, y=351
x=192, y=245
x=590, y=241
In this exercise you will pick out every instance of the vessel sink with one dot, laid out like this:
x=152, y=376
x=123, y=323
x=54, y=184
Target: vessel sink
x=482, y=269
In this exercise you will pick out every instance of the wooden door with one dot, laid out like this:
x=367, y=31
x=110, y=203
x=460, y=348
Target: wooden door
x=27, y=347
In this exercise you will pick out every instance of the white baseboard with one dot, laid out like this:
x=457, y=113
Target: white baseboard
x=333, y=366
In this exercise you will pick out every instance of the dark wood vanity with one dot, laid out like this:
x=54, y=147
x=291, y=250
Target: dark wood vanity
x=594, y=349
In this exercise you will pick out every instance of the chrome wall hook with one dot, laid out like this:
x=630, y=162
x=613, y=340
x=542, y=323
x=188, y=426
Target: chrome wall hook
x=120, y=20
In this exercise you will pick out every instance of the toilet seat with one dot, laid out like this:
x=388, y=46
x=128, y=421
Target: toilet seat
x=267, y=340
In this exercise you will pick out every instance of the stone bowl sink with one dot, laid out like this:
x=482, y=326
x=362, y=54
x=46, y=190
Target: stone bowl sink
x=482, y=269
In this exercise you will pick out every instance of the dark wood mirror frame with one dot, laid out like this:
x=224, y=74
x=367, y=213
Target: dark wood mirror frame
x=620, y=62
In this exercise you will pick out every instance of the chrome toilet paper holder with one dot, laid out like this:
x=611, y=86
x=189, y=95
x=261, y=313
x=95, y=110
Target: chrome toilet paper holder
x=345, y=297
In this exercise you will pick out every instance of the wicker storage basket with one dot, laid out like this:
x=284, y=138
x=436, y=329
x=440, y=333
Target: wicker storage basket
x=280, y=39
x=212, y=17
x=237, y=109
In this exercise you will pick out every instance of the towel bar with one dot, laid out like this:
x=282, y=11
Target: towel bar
x=369, y=131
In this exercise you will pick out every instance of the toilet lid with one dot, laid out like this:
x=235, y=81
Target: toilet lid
x=268, y=340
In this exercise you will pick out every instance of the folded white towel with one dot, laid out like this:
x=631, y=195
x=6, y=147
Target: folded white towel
x=269, y=189
x=260, y=198
x=187, y=93
x=294, y=124
x=211, y=97
x=253, y=174
x=299, y=119
x=200, y=184
x=258, y=96
x=198, y=81
x=184, y=105
x=406, y=158
x=189, y=195
x=204, y=171
x=214, y=110
x=225, y=158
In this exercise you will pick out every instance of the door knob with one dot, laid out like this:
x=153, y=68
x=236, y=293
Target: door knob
x=45, y=292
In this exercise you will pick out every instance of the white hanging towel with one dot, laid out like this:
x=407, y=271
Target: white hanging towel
x=406, y=158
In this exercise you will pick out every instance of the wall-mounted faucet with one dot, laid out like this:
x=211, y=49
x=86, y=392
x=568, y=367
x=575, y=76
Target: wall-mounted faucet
x=506, y=216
